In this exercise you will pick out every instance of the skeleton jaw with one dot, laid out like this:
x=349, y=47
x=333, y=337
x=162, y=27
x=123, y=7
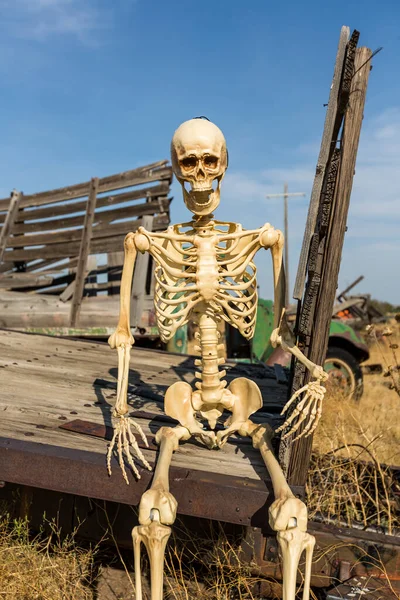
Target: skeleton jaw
x=201, y=201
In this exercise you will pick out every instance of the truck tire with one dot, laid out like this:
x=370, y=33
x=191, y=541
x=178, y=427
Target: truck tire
x=345, y=370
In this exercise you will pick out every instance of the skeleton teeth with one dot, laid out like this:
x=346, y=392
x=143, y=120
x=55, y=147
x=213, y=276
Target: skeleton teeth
x=198, y=188
x=202, y=196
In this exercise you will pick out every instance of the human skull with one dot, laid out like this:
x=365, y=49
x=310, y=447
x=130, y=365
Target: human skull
x=199, y=157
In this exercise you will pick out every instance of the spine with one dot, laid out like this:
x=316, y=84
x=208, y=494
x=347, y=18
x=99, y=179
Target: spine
x=211, y=384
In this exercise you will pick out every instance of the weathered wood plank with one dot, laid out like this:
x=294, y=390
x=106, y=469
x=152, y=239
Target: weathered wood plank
x=326, y=149
x=59, y=215
x=140, y=176
x=6, y=231
x=102, y=244
x=68, y=382
x=84, y=251
x=6, y=266
x=44, y=265
x=330, y=259
x=70, y=289
x=99, y=231
x=23, y=280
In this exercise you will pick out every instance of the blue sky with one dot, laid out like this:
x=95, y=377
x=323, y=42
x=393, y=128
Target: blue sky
x=93, y=87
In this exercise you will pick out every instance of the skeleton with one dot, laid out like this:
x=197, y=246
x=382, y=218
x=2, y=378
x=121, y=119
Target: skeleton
x=205, y=272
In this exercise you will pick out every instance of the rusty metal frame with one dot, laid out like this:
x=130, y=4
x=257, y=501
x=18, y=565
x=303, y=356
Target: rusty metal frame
x=241, y=501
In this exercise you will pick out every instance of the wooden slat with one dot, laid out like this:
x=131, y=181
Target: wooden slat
x=60, y=251
x=103, y=244
x=299, y=456
x=46, y=264
x=59, y=210
x=140, y=176
x=6, y=231
x=106, y=216
x=6, y=266
x=23, y=280
x=84, y=251
x=327, y=147
x=70, y=289
x=139, y=279
x=100, y=230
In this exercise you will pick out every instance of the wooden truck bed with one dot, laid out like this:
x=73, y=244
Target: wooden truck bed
x=53, y=388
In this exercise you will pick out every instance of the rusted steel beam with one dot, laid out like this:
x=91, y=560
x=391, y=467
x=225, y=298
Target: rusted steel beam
x=341, y=552
x=207, y=495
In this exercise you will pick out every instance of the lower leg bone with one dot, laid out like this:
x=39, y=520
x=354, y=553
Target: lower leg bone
x=292, y=542
x=310, y=543
x=154, y=537
x=287, y=515
x=157, y=510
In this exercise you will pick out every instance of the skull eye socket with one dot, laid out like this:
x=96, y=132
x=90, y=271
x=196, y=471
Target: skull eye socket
x=211, y=161
x=189, y=162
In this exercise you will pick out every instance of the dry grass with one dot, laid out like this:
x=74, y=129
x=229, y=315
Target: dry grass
x=354, y=446
x=43, y=568
x=209, y=566
x=384, y=345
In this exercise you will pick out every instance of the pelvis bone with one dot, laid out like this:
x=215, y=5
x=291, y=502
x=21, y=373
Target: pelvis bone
x=242, y=399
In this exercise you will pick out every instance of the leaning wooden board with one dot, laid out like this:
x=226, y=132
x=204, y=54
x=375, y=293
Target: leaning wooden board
x=46, y=383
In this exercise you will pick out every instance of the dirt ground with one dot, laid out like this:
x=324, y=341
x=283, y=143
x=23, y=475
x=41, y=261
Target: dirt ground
x=115, y=584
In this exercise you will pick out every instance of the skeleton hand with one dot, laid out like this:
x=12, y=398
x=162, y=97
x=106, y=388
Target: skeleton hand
x=319, y=374
x=123, y=439
x=160, y=500
x=310, y=406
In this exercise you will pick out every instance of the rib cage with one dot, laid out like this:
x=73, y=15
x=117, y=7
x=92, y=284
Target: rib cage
x=176, y=291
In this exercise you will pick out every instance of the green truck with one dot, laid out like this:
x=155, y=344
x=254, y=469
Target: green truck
x=346, y=350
